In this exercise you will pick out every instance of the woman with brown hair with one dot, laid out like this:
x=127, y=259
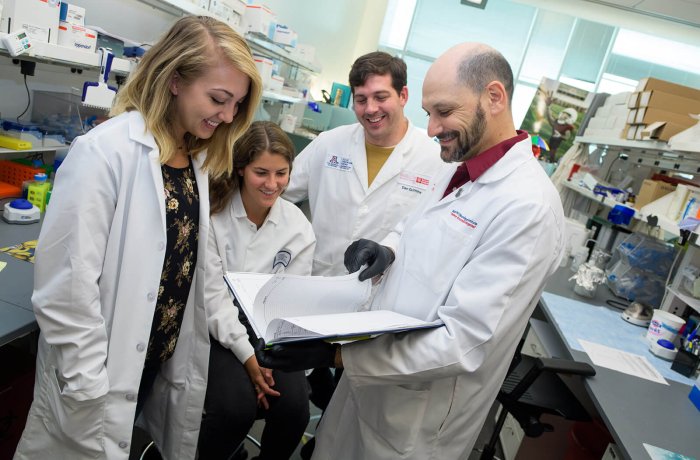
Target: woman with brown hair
x=252, y=230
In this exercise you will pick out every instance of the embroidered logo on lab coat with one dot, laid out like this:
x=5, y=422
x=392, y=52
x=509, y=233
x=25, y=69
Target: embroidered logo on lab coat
x=463, y=219
x=340, y=163
x=412, y=182
x=282, y=259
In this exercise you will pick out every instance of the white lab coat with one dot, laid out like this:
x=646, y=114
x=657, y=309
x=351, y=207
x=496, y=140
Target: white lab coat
x=479, y=262
x=285, y=241
x=332, y=173
x=98, y=265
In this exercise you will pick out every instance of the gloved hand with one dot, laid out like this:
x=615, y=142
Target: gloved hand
x=376, y=256
x=296, y=356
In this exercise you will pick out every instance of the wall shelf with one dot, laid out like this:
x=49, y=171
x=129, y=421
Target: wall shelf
x=69, y=57
x=34, y=149
x=262, y=45
x=666, y=224
x=257, y=43
x=650, y=153
x=688, y=299
x=280, y=97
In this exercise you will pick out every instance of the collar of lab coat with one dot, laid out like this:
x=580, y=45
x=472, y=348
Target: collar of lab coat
x=513, y=159
x=238, y=210
x=138, y=132
x=392, y=166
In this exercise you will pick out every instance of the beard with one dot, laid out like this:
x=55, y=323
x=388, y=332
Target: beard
x=467, y=139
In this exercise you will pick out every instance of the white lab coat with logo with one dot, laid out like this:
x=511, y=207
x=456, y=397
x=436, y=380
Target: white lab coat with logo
x=478, y=261
x=332, y=173
x=284, y=241
x=98, y=265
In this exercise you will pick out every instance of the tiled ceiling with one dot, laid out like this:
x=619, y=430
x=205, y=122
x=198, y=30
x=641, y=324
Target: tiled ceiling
x=681, y=11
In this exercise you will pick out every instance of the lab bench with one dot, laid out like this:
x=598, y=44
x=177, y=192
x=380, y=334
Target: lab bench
x=16, y=283
x=636, y=411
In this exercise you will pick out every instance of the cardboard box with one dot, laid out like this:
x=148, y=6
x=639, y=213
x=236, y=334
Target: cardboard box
x=264, y=66
x=284, y=35
x=276, y=83
x=228, y=11
x=260, y=19
x=648, y=115
x=78, y=37
x=650, y=83
x=72, y=14
x=617, y=99
x=38, y=17
x=660, y=131
x=669, y=102
x=652, y=190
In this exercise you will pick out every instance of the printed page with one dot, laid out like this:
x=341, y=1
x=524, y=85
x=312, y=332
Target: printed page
x=245, y=287
x=343, y=325
x=265, y=297
x=294, y=295
x=622, y=361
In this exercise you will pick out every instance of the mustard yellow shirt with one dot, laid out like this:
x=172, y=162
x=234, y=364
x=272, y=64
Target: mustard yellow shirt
x=376, y=157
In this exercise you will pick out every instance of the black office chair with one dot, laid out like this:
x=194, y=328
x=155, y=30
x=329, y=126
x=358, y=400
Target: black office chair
x=533, y=387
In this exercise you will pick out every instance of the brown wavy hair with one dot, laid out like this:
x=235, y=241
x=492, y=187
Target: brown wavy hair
x=262, y=136
x=190, y=48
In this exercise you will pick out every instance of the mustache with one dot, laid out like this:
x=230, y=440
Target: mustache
x=447, y=135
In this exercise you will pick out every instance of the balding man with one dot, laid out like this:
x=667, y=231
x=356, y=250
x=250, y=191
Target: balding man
x=475, y=253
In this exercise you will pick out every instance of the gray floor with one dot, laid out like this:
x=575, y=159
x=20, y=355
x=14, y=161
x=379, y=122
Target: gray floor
x=141, y=438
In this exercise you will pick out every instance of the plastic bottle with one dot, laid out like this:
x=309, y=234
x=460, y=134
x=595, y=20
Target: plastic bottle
x=38, y=191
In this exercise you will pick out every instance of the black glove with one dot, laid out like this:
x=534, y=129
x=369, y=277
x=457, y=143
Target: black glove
x=296, y=356
x=376, y=256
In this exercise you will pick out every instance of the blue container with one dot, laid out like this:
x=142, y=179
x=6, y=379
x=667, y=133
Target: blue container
x=621, y=215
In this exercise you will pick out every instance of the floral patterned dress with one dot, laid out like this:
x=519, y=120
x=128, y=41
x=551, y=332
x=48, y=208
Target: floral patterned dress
x=182, y=222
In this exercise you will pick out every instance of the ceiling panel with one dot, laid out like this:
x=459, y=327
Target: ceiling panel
x=681, y=11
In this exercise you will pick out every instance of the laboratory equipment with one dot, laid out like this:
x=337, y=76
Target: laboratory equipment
x=38, y=191
x=638, y=314
x=20, y=211
x=17, y=42
x=99, y=94
x=664, y=349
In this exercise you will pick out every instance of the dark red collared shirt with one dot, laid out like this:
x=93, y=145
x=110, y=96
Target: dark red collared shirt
x=474, y=167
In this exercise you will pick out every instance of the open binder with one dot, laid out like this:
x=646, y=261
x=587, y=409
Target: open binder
x=292, y=308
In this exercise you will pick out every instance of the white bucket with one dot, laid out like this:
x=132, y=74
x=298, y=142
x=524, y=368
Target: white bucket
x=664, y=325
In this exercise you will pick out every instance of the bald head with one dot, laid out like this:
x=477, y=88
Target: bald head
x=474, y=65
x=467, y=95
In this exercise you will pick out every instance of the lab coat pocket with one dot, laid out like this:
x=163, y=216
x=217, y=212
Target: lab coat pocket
x=437, y=240
x=79, y=424
x=393, y=413
x=397, y=207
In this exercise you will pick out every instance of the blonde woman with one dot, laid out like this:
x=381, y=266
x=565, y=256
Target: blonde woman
x=120, y=263
x=253, y=230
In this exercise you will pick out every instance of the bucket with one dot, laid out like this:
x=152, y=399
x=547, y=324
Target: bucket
x=587, y=441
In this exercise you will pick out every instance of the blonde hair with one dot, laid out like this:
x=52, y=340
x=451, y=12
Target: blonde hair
x=190, y=48
x=261, y=137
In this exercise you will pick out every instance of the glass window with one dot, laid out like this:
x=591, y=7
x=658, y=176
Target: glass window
x=588, y=47
x=417, y=68
x=440, y=24
x=547, y=47
x=636, y=55
x=397, y=22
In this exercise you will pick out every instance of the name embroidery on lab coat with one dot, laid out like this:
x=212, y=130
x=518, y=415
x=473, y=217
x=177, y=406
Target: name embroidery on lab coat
x=339, y=163
x=412, y=182
x=463, y=219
